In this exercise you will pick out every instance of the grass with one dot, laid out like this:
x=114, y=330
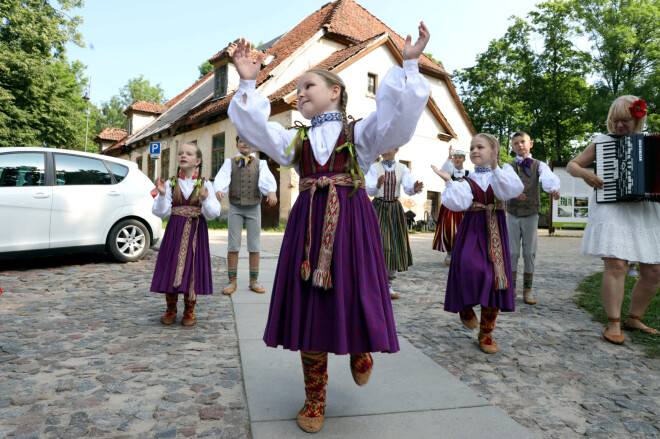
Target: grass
x=589, y=298
x=222, y=225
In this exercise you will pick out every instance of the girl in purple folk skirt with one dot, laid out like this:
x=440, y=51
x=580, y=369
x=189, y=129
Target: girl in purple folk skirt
x=480, y=271
x=330, y=292
x=184, y=260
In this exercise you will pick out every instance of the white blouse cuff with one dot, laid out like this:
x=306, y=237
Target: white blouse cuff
x=247, y=86
x=411, y=65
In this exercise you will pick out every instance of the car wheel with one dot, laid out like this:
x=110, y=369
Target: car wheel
x=128, y=241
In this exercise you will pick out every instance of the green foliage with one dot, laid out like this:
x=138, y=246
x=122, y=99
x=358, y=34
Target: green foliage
x=204, y=69
x=136, y=89
x=40, y=90
x=545, y=91
x=589, y=298
x=433, y=59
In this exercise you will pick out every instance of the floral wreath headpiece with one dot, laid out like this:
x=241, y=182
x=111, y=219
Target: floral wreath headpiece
x=638, y=108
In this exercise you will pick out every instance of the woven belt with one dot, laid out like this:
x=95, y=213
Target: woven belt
x=188, y=212
x=495, y=253
x=322, y=275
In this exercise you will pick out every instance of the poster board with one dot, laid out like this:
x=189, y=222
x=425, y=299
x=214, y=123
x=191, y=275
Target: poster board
x=571, y=210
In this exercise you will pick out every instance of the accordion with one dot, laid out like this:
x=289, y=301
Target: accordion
x=630, y=168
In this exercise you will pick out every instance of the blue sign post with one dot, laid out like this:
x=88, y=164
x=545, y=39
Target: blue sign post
x=154, y=154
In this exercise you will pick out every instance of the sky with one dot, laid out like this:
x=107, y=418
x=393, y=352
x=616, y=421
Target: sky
x=167, y=40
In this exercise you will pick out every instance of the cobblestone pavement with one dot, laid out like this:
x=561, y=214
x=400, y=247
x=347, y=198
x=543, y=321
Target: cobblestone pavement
x=83, y=354
x=553, y=373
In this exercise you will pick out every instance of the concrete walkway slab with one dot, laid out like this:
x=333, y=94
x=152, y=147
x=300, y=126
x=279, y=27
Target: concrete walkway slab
x=464, y=423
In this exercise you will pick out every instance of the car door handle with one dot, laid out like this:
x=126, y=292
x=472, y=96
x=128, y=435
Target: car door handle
x=114, y=193
x=40, y=195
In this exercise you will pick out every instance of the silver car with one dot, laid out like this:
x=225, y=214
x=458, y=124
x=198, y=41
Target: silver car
x=54, y=200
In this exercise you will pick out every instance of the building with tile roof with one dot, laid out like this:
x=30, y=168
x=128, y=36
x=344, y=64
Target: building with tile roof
x=341, y=36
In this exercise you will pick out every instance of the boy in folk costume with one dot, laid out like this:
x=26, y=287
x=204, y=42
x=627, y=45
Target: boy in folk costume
x=246, y=178
x=522, y=218
x=448, y=220
x=383, y=182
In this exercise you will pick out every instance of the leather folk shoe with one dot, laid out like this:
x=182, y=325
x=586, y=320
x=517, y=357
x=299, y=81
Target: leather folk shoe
x=613, y=338
x=487, y=344
x=310, y=425
x=230, y=288
x=257, y=287
x=361, y=367
x=528, y=297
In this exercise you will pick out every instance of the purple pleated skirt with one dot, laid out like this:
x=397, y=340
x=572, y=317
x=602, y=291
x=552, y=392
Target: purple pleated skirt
x=355, y=315
x=168, y=253
x=471, y=275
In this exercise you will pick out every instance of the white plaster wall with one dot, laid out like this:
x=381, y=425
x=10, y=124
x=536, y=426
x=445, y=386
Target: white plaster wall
x=141, y=120
x=313, y=52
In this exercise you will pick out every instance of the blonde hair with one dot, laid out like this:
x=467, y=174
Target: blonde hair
x=492, y=141
x=620, y=109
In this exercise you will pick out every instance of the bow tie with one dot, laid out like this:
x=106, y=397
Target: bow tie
x=480, y=169
x=389, y=163
x=241, y=160
x=526, y=164
x=182, y=176
x=318, y=120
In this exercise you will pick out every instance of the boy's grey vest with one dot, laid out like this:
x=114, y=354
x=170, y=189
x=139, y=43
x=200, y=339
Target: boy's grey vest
x=244, y=185
x=532, y=203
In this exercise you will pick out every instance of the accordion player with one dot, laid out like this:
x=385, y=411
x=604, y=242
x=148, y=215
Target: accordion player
x=630, y=168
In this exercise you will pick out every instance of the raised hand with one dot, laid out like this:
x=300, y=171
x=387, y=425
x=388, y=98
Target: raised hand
x=451, y=151
x=203, y=193
x=442, y=174
x=160, y=186
x=242, y=57
x=413, y=51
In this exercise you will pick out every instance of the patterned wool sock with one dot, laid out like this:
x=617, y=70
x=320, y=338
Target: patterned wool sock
x=232, y=273
x=487, y=324
x=467, y=314
x=361, y=363
x=254, y=274
x=528, y=278
x=315, y=370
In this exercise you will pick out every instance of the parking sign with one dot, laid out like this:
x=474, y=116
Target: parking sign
x=154, y=148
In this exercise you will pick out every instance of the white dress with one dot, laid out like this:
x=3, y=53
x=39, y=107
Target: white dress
x=624, y=230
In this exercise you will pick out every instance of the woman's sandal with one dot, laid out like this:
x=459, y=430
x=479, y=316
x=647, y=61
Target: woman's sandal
x=645, y=330
x=616, y=339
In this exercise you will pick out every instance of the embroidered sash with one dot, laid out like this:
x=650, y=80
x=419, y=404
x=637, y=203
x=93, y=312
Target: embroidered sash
x=188, y=212
x=495, y=253
x=322, y=276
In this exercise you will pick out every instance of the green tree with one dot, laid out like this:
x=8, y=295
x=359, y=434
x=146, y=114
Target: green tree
x=40, y=90
x=562, y=88
x=204, y=69
x=136, y=89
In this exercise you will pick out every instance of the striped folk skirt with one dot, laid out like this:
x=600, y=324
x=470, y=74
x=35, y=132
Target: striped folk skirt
x=394, y=234
x=445, y=230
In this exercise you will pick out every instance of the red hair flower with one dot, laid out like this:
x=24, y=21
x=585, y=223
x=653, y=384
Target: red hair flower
x=638, y=108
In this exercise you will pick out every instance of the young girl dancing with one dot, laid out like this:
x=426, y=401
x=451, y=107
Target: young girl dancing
x=480, y=273
x=330, y=292
x=448, y=221
x=383, y=182
x=184, y=261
